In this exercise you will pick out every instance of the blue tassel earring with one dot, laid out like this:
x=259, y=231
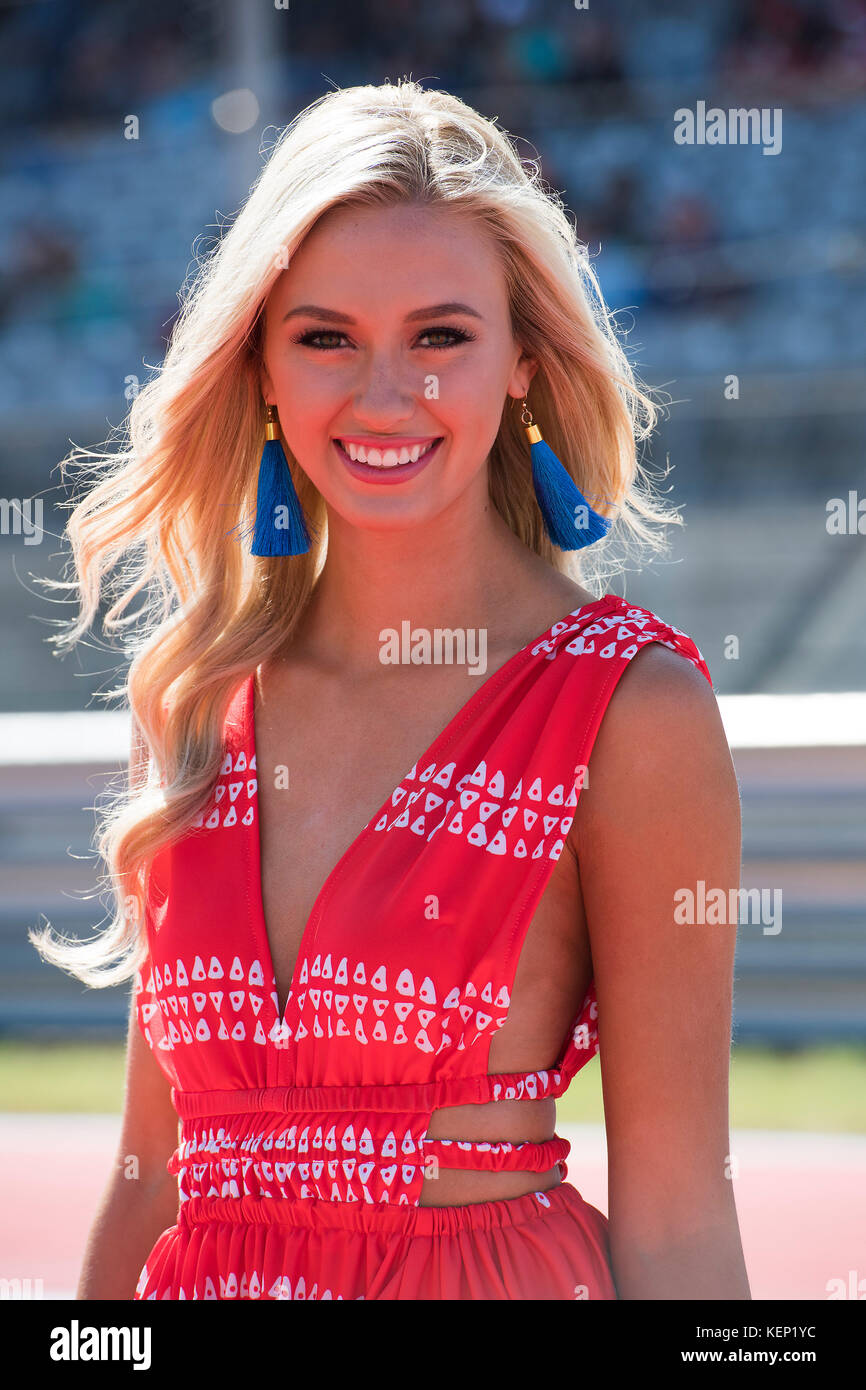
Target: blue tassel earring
x=280, y=528
x=569, y=520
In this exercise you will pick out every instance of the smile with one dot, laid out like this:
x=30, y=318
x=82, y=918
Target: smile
x=385, y=457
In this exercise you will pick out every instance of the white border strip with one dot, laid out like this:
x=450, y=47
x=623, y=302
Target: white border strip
x=830, y=720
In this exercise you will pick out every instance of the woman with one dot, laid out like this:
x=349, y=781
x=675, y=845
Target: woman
x=361, y=1018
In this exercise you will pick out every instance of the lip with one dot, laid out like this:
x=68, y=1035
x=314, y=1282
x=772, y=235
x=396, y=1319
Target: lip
x=400, y=473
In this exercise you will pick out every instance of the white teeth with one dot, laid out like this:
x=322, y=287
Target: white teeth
x=390, y=458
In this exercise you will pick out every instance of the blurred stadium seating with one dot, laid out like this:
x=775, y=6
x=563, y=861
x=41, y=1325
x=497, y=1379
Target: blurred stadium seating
x=719, y=260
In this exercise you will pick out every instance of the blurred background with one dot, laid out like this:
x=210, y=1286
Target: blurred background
x=130, y=136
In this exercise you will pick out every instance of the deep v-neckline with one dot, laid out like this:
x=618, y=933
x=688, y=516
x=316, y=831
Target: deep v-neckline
x=254, y=830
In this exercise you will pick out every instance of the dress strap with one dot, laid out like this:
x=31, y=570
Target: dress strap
x=497, y=1158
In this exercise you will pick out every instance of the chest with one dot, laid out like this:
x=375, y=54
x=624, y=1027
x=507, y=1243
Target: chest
x=327, y=759
x=312, y=810
x=325, y=768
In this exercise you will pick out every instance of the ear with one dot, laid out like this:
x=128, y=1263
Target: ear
x=266, y=385
x=523, y=373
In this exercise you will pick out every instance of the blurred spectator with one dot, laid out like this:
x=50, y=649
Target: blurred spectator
x=43, y=262
x=690, y=267
x=620, y=214
x=594, y=49
x=786, y=36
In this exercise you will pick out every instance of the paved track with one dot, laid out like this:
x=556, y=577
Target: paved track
x=801, y=1200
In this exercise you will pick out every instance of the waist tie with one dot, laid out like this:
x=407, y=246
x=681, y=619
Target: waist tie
x=414, y=1097
x=497, y=1158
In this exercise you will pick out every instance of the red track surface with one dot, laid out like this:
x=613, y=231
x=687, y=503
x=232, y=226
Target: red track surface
x=801, y=1200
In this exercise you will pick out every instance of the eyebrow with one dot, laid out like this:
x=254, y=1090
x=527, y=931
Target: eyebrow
x=315, y=311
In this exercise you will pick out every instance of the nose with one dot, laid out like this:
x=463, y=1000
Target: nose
x=386, y=396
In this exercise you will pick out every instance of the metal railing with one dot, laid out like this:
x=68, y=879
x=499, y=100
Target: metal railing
x=801, y=765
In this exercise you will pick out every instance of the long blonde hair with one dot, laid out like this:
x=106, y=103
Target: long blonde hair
x=159, y=514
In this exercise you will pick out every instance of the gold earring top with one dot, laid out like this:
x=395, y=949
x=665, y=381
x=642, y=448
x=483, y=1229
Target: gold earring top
x=533, y=433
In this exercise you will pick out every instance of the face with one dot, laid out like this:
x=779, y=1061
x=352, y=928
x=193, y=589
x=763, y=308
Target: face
x=390, y=332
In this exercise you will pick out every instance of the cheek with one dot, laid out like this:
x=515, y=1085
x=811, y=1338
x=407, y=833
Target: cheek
x=471, y=391
x=306, y=392
x=477, y=373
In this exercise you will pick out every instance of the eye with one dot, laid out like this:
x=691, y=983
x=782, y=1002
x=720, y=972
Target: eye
x=306, y=339
x=311, y=338
x=458, y=335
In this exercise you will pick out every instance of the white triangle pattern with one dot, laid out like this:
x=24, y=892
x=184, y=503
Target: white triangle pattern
x=233, y=800
x=247, y=1286
x=369, y=1002
x=330, y=1156
x=531, y=821
x=220, y=999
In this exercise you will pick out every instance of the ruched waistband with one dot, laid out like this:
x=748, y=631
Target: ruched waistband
x=360, y=1217
x=474, y=1154
x=340, y=1143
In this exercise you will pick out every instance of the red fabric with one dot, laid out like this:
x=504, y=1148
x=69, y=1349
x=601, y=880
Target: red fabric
x=304, y=1132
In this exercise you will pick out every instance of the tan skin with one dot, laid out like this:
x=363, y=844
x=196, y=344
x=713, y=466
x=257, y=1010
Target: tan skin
x=661, y=809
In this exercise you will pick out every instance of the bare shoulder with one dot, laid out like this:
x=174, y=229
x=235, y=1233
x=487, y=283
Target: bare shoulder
x=664, y=687
x=657, y=678
x=662, y=727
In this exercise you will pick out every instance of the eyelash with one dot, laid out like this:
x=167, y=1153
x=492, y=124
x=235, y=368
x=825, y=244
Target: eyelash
x=459, y=334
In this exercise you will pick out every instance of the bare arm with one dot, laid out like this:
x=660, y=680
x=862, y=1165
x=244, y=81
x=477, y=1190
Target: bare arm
x=140, y=1198
x=660, y=812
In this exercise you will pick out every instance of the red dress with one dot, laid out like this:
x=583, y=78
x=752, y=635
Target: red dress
x=304, y=1125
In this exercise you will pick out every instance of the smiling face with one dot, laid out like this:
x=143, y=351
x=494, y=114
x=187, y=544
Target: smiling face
x=389, y=333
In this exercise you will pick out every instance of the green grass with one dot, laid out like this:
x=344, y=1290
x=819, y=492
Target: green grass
x=814, y=1089
x=86, y=1077
x=818, y=1088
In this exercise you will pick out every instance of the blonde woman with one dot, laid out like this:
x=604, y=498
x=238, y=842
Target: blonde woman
x=380, y=903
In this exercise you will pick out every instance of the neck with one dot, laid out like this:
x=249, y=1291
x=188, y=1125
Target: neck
x=468, y=570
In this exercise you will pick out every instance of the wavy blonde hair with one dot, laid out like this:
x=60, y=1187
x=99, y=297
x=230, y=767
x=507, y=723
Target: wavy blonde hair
x=186, y=472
